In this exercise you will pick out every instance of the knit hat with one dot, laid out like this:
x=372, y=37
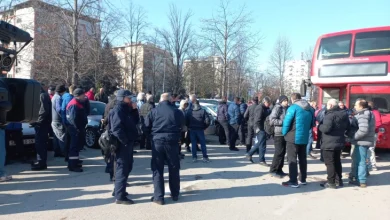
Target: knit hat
x=60, y=88
x=78, y=92
x=282, y=98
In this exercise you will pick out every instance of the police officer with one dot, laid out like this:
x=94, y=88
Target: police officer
x=42, y=127
x=122, y=127
x=77, y=118
x=164, y=123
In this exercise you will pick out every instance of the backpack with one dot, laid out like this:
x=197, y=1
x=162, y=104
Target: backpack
x=268, y=128
x=108, y=144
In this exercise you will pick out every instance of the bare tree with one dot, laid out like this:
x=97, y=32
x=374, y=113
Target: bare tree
x=177, y=40
x=282, y=52
x=135, y=26
x=226, y=31
x=308, y=53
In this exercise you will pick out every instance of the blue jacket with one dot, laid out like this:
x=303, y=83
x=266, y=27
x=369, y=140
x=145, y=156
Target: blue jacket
x=66, y=98
x=75, y=114
x=234, y=115
x=122, y=122
x=243, y=107
x=165, y=122
x=299, y=120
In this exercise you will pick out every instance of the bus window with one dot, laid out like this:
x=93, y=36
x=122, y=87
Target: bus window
x=335, y=47
x=330, y=93
x=370, y=93
x=372, y=43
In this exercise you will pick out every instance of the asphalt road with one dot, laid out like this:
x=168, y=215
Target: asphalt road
x=227, y=188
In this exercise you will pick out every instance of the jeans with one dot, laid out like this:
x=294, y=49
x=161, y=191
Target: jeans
x=280, y=152
x=224, y=131
x=260, y=143
x=294, y=150
x=360, y=157
x=309, y=146
x=198, y=135
x=371, y=154
x=2, y=153
x=333, y=165
x=233, y=130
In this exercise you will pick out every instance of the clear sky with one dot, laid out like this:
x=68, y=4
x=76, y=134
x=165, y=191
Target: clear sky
x=302, y=21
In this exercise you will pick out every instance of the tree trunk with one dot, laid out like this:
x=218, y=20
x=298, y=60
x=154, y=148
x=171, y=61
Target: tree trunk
x=75, y=60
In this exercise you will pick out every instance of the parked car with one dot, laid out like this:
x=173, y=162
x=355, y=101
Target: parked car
x=93, y=129
x=211, y=110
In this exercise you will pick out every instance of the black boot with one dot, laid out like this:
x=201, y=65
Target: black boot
x=38, y=166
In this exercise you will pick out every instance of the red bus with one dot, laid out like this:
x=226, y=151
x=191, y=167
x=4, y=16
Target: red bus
x=355, y=64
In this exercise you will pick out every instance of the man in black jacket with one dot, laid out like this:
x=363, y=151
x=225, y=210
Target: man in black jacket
x=197, y=121
x=249, y=116
x=42, y=126
x=261, y=112
x=165, y=123
x=122, y=126
x=333, y=128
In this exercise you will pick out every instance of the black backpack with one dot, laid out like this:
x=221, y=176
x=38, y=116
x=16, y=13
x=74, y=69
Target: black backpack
x=108, y=144
x=268, y=128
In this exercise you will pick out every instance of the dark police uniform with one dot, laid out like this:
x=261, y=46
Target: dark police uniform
x=164, y=123
x=77, y=118
x=122, y=126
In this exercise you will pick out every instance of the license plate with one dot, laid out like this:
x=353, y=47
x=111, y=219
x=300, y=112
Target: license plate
x=28, y=141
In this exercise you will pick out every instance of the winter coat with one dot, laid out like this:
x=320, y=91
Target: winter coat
x=243, y=108
x=44, y=109
x=56, y=108
x=90, y=95
x=123, y=120
x=101, y=97
x=76, y=114
x=365, y=134
x=165, y=122
x=107, y=110
x=66, y=98
x=320, y=115
x=276, y=118
x=234, y=115
x=298, y=122
x=145, y=109
x=333, y=128
x=249, y=115
x=222, y=112
x=261, y=113
x=197, y=118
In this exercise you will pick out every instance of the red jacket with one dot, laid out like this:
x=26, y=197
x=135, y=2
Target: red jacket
x=90, y=95
x=378, y=119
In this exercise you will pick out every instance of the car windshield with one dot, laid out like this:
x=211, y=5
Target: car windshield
x=335, y=47
x=372, y=43
x=377, y=94
x=97, y=108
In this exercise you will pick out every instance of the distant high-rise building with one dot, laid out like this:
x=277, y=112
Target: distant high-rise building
x=295, y=72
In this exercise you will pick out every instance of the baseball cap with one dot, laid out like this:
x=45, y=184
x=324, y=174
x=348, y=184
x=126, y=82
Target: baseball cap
x=78, y=92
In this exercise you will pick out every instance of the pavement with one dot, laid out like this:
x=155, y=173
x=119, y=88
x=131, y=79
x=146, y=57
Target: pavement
x=229, y=187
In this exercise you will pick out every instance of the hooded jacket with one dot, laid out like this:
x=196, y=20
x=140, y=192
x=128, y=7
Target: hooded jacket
x=276, y=118
x=297, y=123
x=365, y=134
x=197, y=118
x=333, y=128
x=222, y=112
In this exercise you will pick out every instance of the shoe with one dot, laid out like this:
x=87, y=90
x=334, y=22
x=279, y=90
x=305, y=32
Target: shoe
x=38, y=167
x=276, y=175
x=206, y=160
x=290, y=184
x=374, y=168
x=194, y=160
x=339, y=184
x=188, y=149
x=281, y=174
x=125, y=201
x=158, y=202
x=363, y=185
x=249, y=158
x=5, y=178
x=182, y=156
x=312, y=157
x=304, y=183
x=328, y=185
x=354, y=182
x=75, y=169
x=77, y=165
x=264, y=164
x=175, y=198
x=234, y=149
x=113, y=193
x=352, y=179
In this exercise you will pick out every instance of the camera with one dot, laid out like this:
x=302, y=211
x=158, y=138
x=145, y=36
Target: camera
x=19, y=98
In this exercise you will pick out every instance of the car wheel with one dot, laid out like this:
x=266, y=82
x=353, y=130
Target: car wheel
x=91, y=138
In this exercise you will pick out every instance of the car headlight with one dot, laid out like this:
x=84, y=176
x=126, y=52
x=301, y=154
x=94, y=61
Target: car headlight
x=382, y=130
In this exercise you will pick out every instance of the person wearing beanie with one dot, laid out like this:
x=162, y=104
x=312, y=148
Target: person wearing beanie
x=77, y=119
x=249, y=116
x=59, y=130
x=276, y=119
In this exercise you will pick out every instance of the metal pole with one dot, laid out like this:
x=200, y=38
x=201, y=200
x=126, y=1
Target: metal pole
x=164, y=78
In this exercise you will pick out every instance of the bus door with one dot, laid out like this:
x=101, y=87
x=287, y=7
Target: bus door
x=328, y=93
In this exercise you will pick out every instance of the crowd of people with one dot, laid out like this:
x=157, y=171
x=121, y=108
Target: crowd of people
x=164, y=128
